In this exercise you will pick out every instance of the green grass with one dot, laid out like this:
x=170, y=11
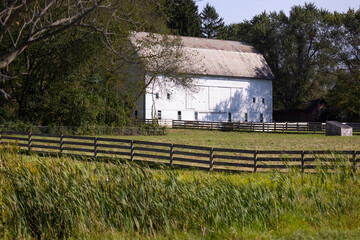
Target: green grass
x=255, y=141
x=55, y=198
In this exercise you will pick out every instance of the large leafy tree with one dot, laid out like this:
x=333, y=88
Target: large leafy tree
x=344, y=32
x=295, y=48
x=212, y=25
x=304, y=56
x=26, y=22
x=81, y=75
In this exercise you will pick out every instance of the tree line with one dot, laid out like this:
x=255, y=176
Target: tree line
x=68, y=63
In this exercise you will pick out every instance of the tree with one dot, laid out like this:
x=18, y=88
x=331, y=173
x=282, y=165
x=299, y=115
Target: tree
x=45, y=72
x=26, y=22
x=81, y=76
x=344, y=31
x=183, y=17
x=161, y=55
x=212, y=25
x=295, y=48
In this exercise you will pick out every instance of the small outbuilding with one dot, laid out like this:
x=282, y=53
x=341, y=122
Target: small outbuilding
x=335, y=128
x=311, y=111
x=231, y=82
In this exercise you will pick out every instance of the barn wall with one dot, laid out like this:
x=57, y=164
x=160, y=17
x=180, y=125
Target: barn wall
x=213, y=98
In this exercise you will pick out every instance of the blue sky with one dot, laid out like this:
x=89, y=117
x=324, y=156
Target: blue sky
x=235, y=11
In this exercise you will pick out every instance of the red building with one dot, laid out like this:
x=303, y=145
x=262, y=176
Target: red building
x=312, y=111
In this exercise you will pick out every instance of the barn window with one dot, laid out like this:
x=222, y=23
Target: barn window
x=168, y=96
x=136, y=114
x=246, y=117
x=263, y=100
x=196, y=116
x=157, y=95
x=179, y=115
x=229, y=117
x=254, y=99
x=261, y=117
x=159, y=114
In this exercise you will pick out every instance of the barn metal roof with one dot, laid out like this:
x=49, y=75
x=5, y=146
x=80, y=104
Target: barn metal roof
x=220, y=58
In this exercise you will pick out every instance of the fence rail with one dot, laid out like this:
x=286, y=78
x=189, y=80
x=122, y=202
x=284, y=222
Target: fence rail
x=186, y=156
x=279, y=127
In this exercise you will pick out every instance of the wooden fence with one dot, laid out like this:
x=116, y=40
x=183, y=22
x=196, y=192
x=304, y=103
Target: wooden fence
x=278, y=127
x=184, y=156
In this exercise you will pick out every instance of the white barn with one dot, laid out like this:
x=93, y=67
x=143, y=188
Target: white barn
x=232, y=82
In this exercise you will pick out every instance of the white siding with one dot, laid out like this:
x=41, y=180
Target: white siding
x=213, y=98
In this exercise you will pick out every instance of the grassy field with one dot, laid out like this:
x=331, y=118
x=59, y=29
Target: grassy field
x=58, y=198
x=255, y=141
x=64, y=198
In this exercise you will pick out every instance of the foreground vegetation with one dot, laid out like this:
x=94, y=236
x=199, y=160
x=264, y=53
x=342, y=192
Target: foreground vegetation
x=48, y=198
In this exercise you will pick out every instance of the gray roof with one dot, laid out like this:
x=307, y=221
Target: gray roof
x=221, y=58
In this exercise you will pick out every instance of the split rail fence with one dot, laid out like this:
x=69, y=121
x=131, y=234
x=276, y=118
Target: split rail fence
x=279, y=127
x=183, y=156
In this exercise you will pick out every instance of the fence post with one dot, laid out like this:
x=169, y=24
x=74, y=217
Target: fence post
x=297, y=127
x=95, y=146
x=354, y=161
x=211, y=160
x=274, y=126
x=132, y=151
x=255, y=161
x=286, y=126
x=0, y=147
x=61, y=143
x=171, y=154
x=29, y=141
x=302, y=161
x=263, y=127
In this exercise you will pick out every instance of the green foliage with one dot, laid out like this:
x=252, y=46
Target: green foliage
x=182, y=17
x=61, y=198
x=294, y=49
x=81, y=77
x=345, y=35
x=312, y=53
x=87, y=129
x=53, y=90
x=212, y=25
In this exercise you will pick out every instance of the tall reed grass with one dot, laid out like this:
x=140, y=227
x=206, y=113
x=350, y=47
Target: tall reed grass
x=59, y=198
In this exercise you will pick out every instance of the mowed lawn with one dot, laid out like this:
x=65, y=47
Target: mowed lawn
x=254, y=141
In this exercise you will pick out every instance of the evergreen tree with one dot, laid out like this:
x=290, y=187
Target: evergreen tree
x=183, y=17
x=212, y=25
